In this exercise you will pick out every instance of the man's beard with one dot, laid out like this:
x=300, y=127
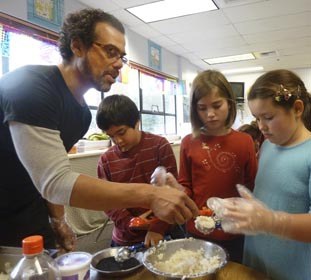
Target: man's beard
x=98, y=83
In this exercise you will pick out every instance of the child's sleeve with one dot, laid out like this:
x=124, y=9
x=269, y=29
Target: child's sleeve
x=167, y=158
x=120, y=217
x=159, y=227
x=102, y=170
x=251, y=165
x=185, y=169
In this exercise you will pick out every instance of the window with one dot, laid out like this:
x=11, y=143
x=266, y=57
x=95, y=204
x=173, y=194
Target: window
x=154, y=96
x=158, y=96
x=23, y=44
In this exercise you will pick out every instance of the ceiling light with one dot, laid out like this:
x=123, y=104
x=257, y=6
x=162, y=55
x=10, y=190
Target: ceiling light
x=170, y=9
x=232, y=58
x=243, y=70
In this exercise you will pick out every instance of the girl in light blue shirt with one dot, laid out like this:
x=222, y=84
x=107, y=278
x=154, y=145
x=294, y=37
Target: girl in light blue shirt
x=277, y=218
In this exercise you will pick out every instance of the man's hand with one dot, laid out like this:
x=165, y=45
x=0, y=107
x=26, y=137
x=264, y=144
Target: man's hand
x=172, y=206
x=65, y=237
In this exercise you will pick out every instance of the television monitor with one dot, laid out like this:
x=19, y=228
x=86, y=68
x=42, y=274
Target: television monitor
x=238, y=91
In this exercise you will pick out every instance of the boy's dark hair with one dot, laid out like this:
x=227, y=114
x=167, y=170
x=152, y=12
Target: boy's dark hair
x=81, y=25
x=117, y=110
x=204, y=83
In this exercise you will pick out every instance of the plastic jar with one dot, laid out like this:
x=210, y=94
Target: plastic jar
x=36, y=264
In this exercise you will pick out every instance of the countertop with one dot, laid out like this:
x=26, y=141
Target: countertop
x=232, y=271
x=101, y=151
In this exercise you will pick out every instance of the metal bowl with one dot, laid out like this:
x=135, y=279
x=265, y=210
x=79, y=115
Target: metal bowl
x=168, y=248
x=109, y=254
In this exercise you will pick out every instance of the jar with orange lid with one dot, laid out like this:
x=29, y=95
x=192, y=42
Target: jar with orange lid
x=35, y=264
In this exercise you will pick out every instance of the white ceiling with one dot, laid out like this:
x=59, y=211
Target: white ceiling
x=277, y=31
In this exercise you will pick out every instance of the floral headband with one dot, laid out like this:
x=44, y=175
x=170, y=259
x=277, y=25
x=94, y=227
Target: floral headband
x=284, y=94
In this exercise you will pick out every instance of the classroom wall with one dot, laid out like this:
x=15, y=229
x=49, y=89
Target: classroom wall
x=174, y=65
x=18, y=8
x=249, y=79
x=245, y=115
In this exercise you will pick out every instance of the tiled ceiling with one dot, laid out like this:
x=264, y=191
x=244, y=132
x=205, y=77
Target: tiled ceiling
x=278, y=32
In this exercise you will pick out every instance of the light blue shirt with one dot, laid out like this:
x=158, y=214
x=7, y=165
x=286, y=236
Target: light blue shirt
x=283, y=183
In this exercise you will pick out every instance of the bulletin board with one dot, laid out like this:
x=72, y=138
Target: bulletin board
x=46, y=13
x=155, y=56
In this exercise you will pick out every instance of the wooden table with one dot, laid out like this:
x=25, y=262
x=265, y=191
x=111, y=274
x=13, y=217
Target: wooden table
x=232, y=271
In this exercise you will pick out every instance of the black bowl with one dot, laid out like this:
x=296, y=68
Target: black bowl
x=103, y=262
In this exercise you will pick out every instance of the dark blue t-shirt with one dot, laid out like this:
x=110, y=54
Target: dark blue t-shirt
x=35, y=95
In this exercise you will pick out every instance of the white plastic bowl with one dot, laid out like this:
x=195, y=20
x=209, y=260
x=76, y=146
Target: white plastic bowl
x=75, y=265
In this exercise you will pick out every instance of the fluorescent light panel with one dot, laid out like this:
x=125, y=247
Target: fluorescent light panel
x=170, y=9
x=232, y=58
x=243, y=70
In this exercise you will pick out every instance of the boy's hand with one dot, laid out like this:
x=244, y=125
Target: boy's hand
x=152, y=238
x=161, y=178
x=158, y=177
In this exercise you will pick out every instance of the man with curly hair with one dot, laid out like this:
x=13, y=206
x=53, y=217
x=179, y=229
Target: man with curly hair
x=42, y=115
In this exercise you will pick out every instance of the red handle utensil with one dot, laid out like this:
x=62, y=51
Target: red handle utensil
x=142, y=222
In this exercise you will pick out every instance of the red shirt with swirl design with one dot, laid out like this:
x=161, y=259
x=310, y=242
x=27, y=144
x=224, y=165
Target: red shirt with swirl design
x=211, y=166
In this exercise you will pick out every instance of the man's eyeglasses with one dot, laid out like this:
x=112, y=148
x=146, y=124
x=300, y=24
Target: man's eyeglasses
x=112, y=52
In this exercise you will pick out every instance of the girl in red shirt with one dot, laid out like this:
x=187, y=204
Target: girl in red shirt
x=214, y=158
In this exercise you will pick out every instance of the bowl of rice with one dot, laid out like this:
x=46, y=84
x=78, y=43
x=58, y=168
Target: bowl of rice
x=185, y=258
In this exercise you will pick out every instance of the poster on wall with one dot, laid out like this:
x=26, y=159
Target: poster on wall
x=46, y=13
x=155, y=58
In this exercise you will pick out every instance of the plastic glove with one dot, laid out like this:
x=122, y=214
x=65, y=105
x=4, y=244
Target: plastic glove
x=65, y=237
x=172, y=182
x=161, y=178
x=248, y=215
x=158, y=177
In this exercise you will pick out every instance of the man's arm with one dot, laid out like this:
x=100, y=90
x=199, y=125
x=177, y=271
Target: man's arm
x=170, y=205
x=42, y=153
